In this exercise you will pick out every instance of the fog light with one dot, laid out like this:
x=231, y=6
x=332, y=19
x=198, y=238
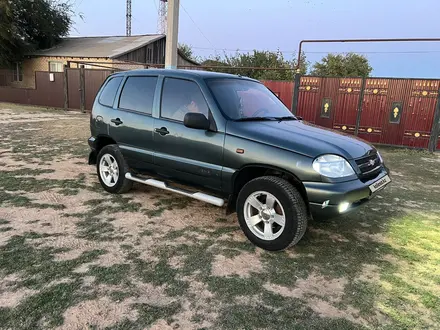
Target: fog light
x=343, y=207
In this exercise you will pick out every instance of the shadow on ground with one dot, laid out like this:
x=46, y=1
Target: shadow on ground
x=72, y=256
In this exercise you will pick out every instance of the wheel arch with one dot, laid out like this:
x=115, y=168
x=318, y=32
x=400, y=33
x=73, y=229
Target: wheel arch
x=101, y=141
x=252, y=171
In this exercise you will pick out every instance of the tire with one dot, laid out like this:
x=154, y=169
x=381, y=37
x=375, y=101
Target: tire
x=112, y=154
x=263, y=226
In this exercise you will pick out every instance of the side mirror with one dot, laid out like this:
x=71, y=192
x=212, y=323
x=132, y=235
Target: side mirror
x=196, y=120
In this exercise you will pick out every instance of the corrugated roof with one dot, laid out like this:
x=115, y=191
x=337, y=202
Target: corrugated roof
x=98, y=46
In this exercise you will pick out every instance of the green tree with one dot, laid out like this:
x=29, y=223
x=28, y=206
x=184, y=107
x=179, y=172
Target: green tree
x=31, y=24
x=343, y=65
x=188, y=52
x=261, y=65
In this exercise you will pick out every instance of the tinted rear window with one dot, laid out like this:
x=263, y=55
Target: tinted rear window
x=138, y=94
x=109, y=93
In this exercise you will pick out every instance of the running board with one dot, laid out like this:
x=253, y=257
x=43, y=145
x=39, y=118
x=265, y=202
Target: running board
x=162, y=185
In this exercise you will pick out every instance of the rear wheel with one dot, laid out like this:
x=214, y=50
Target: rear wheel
x=111, y=168
x=272, y=213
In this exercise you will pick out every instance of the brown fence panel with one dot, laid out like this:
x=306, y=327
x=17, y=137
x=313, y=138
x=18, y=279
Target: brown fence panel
x=374, y=110
x=398, y=111
x=309, y=102
x=283, y=89
x=395, y=112
x=420, y=115
x=93, y=82
x=14, y=95
x=345, y=108
x=73, y=89
x=48, y=93
x=327, y=102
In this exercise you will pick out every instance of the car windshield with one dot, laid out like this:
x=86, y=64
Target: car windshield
x=241, y=99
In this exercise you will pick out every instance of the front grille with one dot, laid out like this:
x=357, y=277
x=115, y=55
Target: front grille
x=370, y=166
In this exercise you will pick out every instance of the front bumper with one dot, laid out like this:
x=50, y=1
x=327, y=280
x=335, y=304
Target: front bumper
x=354, y=192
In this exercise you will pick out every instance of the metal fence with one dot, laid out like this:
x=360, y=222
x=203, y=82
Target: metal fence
x=398, y=112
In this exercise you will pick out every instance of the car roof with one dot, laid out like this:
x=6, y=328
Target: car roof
x=182, y=73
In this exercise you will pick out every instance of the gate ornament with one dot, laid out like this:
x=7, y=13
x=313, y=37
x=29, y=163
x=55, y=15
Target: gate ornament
x=395, y=112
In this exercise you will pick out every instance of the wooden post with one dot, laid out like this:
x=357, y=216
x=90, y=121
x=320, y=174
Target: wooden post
x=297, y=83
x=66, y=89
x=82, y=88
x=435, y=132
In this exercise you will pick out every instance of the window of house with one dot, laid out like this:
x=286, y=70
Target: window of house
x=17, y=74
x=180, y=97
x=138, y=94
x=109, y=92
x=56, y=66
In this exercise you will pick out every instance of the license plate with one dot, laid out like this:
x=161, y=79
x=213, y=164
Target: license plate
x=379, y=184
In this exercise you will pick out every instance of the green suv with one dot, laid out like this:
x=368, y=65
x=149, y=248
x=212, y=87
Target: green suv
x=229, y=139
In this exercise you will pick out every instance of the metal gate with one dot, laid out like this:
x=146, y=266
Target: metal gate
x=402, y=112
x=330, y=102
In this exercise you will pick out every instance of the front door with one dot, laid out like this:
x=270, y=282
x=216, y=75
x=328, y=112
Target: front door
x=184, y=153
x=132, y=122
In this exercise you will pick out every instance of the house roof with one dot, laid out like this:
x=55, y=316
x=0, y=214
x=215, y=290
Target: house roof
x=108, y=47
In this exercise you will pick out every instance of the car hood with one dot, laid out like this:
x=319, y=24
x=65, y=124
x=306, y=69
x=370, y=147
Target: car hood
x=301, y=137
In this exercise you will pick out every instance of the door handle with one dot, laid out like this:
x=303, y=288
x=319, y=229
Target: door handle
x=116, y=121
x=162, y=131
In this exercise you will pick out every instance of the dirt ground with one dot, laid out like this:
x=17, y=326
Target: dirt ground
x=75, y=257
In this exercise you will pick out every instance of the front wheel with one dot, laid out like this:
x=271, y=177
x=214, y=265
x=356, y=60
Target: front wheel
x=272, y=213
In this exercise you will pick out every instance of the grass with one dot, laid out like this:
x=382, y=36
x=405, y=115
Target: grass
x=386, y=254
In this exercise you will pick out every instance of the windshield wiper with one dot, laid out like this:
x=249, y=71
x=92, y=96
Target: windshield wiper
x=256, y=118
x=280, y=119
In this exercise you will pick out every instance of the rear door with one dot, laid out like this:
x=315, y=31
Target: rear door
x=183, y=153
x=131, y=122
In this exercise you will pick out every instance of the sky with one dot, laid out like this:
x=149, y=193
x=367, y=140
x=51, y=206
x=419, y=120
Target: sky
x=212, y=27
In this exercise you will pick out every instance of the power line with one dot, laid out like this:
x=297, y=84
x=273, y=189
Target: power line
x=201, y=32
x=322, y=52
x=78, y=4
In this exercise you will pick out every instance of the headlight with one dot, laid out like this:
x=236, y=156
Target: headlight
x=332, y=166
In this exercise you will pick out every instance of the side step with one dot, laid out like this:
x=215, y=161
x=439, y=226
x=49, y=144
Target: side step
x=162, y=185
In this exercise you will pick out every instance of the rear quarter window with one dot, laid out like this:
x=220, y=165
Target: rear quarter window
x=108, y=94
x=138, y=94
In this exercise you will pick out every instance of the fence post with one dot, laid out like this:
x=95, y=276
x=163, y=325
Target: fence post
x=435, y=132
x=66, y=89
x=82, y=88
x=360, y=104
x=297, y=82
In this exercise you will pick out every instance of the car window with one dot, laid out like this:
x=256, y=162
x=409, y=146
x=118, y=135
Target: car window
x=180, y=97
x=138, y=94
x=109, y=92
x=240, y=99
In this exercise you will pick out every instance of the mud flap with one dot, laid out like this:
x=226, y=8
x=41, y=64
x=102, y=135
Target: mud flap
x=92, y=157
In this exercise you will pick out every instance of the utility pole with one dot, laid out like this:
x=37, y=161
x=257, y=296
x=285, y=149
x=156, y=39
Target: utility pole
x=128, y=19
x=172, y=34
